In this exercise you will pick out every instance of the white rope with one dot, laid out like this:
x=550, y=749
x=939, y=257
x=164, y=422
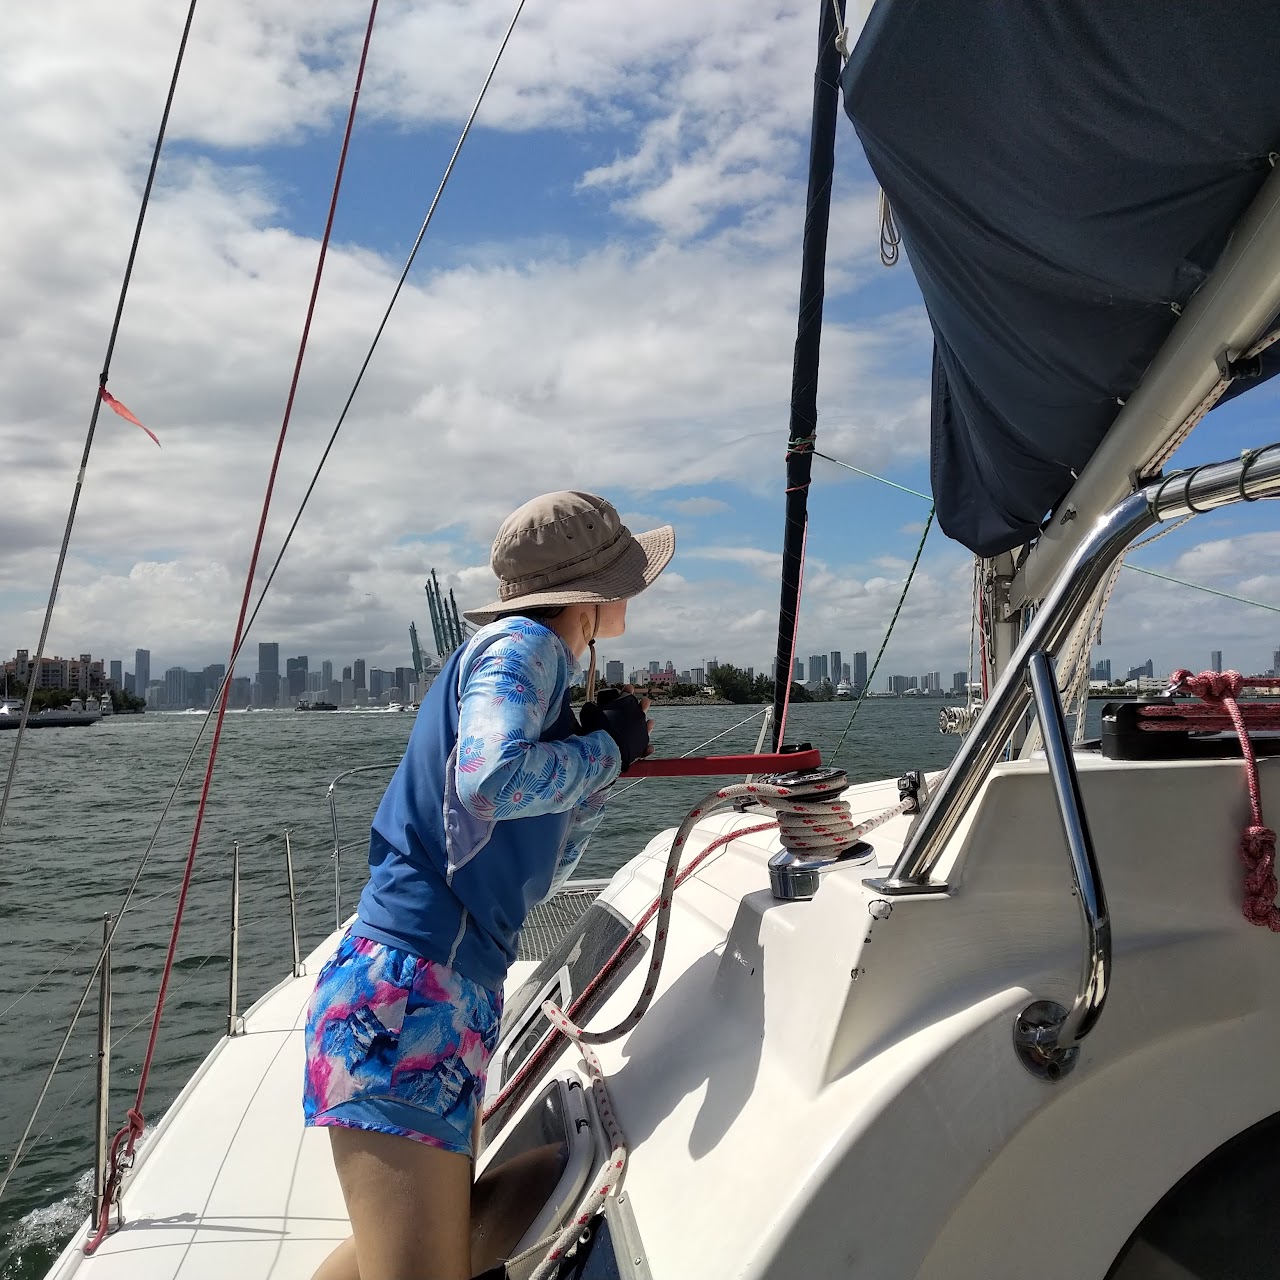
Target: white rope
x=890, y=236
x=812, y=818
x=842, y=32
x=608, y=1178
x=1211, y=398
x=973, y=630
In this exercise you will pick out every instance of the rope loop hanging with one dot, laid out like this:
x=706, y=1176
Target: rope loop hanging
x=890, y=236
x=1257, y=840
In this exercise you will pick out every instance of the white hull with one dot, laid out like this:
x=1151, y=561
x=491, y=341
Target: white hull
x=820, y=1092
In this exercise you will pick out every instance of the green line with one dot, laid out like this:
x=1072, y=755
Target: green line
x=871, y=475
x=1195, y=586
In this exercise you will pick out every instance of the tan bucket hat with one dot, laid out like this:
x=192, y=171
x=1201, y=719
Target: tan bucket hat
x=571, y=548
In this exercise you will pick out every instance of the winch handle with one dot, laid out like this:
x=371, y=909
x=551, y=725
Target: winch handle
x=805, y=757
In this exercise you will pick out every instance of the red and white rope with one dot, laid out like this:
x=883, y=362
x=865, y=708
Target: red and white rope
x=812, y=819
x=607, y=1179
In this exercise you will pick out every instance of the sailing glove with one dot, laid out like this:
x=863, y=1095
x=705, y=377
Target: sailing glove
x=621, y=716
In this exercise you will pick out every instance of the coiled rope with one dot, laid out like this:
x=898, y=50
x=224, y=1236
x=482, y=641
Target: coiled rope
x=811, y=817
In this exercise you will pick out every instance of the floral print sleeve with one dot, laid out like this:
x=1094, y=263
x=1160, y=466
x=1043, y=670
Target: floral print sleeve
x=586, y=818
x=512, y=686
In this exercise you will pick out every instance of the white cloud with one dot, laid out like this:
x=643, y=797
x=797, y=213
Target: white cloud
x=698, y=506
x=654, y=358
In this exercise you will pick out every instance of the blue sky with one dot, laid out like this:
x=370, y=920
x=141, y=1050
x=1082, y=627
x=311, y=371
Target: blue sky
x=605, y=300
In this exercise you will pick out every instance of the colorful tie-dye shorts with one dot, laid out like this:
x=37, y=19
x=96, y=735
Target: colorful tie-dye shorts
x=397, y=1044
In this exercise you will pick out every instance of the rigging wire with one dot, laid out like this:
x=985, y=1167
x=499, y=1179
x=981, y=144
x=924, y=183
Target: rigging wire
x=884, y=644
x=871, y=475
x=127, y=1137
x=185, y=768
x=1195, y=586
x=33, y=673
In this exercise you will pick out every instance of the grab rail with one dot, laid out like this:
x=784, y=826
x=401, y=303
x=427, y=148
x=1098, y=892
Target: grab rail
x=1205, y=488
x=337, y=843
x=1047, y=1035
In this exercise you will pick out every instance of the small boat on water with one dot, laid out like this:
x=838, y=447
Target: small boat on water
x=73, y=716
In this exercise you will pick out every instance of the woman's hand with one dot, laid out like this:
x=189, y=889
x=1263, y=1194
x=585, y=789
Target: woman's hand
x=622, y=715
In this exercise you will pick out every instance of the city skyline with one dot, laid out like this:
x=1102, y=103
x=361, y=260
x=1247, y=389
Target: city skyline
x=362, y=681
x=524, y=347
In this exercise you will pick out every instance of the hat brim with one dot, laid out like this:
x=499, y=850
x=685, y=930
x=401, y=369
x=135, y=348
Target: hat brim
x=635, y=569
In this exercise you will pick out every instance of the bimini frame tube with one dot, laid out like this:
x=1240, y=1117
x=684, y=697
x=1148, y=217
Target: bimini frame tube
x=1229, y=312
x=1220, y=484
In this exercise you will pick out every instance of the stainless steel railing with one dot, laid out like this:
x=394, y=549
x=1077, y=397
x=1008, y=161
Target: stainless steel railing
x=1245, y=479
x=1046, y=1035
x=337, y=841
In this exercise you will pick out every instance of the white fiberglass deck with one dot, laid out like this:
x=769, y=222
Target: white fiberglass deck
x=232, y=1185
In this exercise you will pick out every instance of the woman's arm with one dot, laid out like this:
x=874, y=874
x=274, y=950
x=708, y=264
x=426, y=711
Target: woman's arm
x=503, y=770
x=586, y=818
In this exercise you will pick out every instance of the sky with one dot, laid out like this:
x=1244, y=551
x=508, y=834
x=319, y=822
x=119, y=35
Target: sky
x=605, y=301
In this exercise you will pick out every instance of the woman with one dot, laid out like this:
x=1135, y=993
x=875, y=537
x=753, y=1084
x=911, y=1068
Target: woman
x=487, y=814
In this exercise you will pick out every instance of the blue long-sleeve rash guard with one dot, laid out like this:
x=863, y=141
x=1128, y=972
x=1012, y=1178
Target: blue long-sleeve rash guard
x=491, y=807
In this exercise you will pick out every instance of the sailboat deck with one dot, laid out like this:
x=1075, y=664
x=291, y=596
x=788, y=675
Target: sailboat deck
x=235, y=1185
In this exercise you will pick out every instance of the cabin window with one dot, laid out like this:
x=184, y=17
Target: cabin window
x=1219, y=1222
x=576, y=959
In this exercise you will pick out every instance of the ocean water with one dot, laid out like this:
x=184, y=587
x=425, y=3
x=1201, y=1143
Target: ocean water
x=85, y=804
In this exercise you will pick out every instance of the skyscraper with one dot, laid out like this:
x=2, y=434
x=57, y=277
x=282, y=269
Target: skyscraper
x=1275, y=663
x=837, y=666
x=213, y=675
x=797, y=670
x=175, y=691
x=296, y=670
x=141, y=671
x=817, y=667
x=357, y=673
x=117, y=673
x=269, y=674
x=326, y=673
x=859, y=670
x=613, y=671
x=1215, y=660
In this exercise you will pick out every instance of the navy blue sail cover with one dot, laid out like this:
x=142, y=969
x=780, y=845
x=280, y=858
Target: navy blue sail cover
x=1065, y=174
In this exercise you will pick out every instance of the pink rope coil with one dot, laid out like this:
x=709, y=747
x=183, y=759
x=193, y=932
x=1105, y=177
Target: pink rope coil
x=1257, y=841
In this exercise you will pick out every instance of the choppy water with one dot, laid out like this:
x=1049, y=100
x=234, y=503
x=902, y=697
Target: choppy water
x=83, y=809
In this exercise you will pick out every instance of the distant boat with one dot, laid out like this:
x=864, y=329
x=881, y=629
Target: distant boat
x=60, y=718
x=317, y=706
x=844, y=691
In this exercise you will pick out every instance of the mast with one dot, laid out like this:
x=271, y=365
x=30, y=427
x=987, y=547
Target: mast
x=804, y=370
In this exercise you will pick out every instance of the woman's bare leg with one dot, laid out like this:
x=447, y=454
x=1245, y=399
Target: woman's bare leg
x=410, y=1209
x=341, y=1263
